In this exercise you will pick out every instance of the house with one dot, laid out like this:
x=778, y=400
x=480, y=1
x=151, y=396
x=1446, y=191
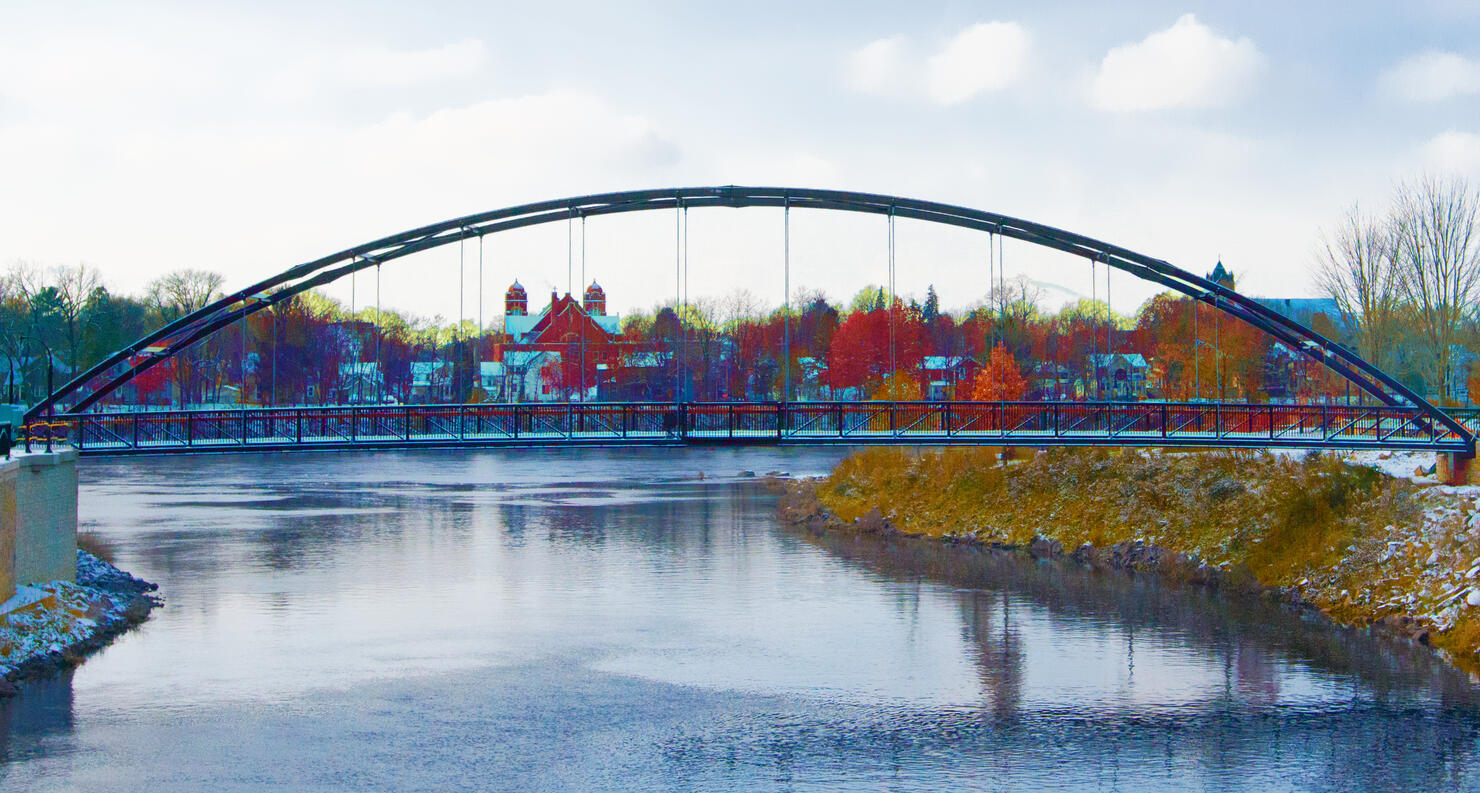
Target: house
x=524, y=376
x=1049, y=380
x=24, y=370
x=493, y=380
x=642, y=375
x=360, y=382
x=1281, y=372
x=943, y=375
x=431, y=382
x=1120, y=375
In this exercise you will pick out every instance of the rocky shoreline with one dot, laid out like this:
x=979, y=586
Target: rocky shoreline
x=68, y=622
x=800, y=507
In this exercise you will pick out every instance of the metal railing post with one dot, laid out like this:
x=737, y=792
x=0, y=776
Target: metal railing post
x=946, y=419
x=135, y=418
x=189, y=429
x=780, y=419
x=244, y=426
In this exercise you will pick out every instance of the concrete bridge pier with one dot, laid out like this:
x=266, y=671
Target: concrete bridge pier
x=1454, y=468
x=38, y=520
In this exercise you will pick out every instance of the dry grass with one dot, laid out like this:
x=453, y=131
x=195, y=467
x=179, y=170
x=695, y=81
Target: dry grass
x=96, y=544
x=1356, y=543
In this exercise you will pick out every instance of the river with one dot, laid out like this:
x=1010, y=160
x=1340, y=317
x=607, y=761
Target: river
x=636, y=620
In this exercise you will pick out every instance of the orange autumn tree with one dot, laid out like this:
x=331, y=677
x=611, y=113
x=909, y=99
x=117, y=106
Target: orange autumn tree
x=899, y=387
x=999, y=380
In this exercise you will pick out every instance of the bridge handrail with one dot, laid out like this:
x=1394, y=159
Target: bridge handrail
x=1148, y=423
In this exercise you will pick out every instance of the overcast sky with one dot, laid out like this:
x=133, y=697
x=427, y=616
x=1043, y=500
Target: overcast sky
x=142, y=138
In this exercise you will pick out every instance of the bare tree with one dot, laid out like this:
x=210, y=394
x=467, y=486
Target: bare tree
x=173, y=295
x=178, y=293
x=74, y=286
x=1356, y=266
x=1438, y=259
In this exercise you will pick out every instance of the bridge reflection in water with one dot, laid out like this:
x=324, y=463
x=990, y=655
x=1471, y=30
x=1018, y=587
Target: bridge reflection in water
x=1238, y=425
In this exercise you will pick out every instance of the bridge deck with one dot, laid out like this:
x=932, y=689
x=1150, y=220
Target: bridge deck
x=861, y=423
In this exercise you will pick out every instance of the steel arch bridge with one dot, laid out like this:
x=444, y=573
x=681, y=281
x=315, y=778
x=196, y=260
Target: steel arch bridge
x=1403, y=419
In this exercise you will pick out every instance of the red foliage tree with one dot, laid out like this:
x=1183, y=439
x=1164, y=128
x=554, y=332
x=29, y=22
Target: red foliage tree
x=859, y=356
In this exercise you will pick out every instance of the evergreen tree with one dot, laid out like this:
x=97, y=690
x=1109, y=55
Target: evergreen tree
x=932, y=305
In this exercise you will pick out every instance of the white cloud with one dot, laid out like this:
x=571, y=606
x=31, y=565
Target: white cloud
x=87, y=74
x=1431, y=76
x=373, y=66
x=383, y=66
x=1186, y=65
x=879, y=67
x=984, y=57
x=300, y=188
x=1453, y=151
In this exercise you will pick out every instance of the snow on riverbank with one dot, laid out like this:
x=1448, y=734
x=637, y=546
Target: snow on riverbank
x=56, y=623
x=1417, y=467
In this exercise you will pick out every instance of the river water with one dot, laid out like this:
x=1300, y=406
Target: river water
x=609, y=620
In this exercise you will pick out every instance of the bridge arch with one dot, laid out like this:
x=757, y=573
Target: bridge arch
x=87, y=388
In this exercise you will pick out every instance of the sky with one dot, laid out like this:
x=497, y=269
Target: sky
x=142, y=138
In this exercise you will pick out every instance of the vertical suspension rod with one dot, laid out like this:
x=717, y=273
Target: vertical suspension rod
x=379, y=334
x=683, y=329
x=786, y=295
x=677, y=294
x=893, y=361
x=583, y=305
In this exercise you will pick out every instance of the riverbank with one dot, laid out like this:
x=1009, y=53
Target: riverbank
x=52, y=626
x=1364, y=547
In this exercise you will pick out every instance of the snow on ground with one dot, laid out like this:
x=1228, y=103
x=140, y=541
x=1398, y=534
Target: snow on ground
x=50, y=617
x=1399, y=465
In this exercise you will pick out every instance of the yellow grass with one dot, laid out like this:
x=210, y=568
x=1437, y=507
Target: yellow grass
x=1358, y=544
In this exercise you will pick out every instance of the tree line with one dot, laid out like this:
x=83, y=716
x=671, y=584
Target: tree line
x=1403, y=284
x=1406, y=280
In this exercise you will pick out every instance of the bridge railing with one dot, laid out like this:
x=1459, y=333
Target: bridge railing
x=1023, y=423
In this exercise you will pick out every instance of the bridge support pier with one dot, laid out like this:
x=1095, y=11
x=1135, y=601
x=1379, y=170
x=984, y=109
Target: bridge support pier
x=1454, y=468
